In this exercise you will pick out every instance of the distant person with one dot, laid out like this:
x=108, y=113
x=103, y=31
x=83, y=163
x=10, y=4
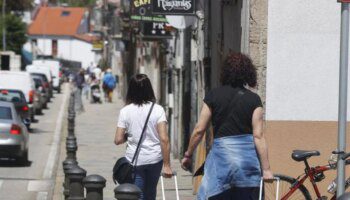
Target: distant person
x=108, y=84
x=238, y=157
x=79, y=83
x=154, y=152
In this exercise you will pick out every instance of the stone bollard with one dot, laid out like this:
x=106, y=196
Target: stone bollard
x=67, y=165
x=94, y=185
x=76, y=189
x=345, y=196
x=127, y=191
x=71, y=148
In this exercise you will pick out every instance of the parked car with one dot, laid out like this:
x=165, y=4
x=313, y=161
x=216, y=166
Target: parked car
x=54, y=66
x=35, y=69
x=41, y=86
x=47, y=87
x=42, y=100
x=14, y=135
x=19, y=101
x=23, y=82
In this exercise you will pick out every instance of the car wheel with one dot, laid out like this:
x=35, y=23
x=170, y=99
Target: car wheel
x=23, y=160
x=59, y=90
x=45, y=106
x=38, y=111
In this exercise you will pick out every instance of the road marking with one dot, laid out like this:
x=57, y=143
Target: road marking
x=42, y=196
x=55, y=147
x=1, y=182
x=53, y=156
x=39, y=186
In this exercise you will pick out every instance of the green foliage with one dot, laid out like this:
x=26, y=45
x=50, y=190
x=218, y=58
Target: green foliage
x=75, y=3
x=15, y=33
x=17, y=5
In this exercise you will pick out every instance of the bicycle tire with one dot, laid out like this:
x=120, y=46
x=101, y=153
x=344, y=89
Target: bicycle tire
x=284, y=187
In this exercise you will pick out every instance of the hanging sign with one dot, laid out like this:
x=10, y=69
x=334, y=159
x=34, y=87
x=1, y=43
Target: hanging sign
x=173, y=7
x=155, y=30
x=141, y=10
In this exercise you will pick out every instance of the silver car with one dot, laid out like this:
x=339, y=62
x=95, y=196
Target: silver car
x=14, y=136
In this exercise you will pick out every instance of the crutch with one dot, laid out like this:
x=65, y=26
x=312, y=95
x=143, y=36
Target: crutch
x=176, y=188
x=262, y=185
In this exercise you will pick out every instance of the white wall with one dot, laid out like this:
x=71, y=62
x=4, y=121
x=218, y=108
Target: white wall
x=76, y=50
x=69, y=49
x=303, y=60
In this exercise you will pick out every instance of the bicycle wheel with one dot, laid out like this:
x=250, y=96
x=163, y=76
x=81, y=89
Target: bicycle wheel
x=286, y=182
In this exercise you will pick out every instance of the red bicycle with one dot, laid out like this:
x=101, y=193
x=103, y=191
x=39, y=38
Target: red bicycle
x=294, y=188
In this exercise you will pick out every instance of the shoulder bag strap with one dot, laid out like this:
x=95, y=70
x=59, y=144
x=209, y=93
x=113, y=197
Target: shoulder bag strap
x=143, y=131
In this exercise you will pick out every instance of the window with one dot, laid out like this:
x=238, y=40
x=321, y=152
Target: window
x=65, y=13
x=5, y=113
x=54, y=48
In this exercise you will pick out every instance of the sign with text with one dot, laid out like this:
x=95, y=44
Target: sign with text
x=154, y=30
x=173, y=7
x=141, y=10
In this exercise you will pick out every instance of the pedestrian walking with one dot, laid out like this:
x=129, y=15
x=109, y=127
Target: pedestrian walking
x=238, y=157
x=79, y=83
x=154, y=152
x=108, y=84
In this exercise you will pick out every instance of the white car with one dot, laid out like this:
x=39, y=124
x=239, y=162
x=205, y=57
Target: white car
x=37, y=70
x=54, y=66
x=23, y=82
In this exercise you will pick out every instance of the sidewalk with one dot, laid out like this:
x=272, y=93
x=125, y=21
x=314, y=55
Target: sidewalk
x=97, y=153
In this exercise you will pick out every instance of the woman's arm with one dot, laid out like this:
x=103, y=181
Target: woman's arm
x=197, y=134
x=165, y=146
x=120, y=136
x=260, y=142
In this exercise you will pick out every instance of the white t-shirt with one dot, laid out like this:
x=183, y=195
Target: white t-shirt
x=133, y=117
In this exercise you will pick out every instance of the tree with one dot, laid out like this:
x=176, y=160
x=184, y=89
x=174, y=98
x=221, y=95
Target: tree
x=15, y=33
x=75, y=3
x=17, y=5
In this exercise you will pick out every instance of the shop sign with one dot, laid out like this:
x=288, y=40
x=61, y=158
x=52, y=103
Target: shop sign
x=97, y=45
x=173, y=7
x=154, y=30
x=141, y=10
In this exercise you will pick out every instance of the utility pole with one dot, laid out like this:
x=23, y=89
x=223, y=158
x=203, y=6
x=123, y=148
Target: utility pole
x=3, y=26
x=343, y=87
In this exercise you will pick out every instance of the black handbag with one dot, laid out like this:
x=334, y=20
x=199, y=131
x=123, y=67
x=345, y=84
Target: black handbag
x=123, y=170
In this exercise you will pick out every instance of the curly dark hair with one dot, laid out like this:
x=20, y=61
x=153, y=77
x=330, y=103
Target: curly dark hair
x=238, y=71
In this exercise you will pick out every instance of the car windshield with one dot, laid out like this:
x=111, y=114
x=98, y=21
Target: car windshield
x=37, y=82
x=11, y=96
x=41, y=75
x=5, y=113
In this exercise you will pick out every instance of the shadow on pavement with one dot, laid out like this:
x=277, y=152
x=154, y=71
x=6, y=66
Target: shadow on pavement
x=37, y=131
x=13, y=163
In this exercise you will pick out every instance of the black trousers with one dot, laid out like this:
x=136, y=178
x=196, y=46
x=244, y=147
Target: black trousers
x=236, y=193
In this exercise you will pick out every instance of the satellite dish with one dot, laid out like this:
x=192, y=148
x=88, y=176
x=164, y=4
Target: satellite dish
x=180, y=22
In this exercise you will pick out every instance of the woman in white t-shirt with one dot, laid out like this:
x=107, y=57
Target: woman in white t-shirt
x=154, y=153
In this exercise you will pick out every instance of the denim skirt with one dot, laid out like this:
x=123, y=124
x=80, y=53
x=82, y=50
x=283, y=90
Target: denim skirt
x=231, y=162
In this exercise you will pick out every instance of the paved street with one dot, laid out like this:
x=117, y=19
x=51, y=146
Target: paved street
x=97, y=152
x=35, y=180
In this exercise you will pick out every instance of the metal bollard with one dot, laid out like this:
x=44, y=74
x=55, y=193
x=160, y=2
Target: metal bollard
x=76, y=189
x=71, y=148
x=71, y=139
x=345, y=196
x=67, y=165
x=127, y=191
x=94, y=185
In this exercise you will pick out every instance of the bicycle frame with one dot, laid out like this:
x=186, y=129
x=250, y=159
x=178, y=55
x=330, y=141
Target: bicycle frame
x=310, y=172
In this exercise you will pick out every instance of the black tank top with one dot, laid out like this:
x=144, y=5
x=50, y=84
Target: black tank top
x=232, y=118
